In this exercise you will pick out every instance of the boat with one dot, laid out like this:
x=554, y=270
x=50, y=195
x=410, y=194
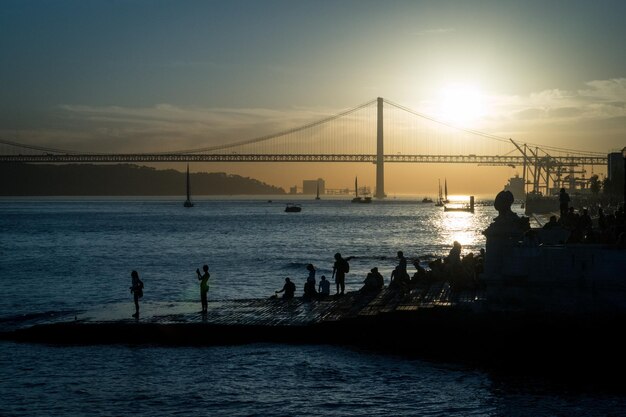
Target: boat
x=468, y=207
x=439, y=202
x=293, y=208
x=317, y=197
x=445, y=195
x=427, y=200
x=516, y=187
x=188, y=202
x=357, y=199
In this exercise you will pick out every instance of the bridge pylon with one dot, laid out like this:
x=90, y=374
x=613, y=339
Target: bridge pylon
x=380, y=154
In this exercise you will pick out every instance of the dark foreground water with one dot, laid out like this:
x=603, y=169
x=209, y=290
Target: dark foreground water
x=62, y=256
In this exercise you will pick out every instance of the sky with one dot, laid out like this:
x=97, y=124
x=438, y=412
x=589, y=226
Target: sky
x=147, y=76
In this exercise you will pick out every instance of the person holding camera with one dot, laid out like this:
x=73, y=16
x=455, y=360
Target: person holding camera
x=204, y=287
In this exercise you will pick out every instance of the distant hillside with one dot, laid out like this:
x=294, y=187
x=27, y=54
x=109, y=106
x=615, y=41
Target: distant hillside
x=115, y=180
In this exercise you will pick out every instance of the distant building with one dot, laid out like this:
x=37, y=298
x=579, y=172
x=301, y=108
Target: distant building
x=516, y=186
x=310, y=186
x=293, y=190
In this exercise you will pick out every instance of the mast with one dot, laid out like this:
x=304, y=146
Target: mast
x=356, y=187
x=188, y=190
x=440, y=195
x=188, y=202
x=317, y=197
x=446, y=189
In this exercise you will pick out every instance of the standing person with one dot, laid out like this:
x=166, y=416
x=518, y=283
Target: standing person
x=309, y=286
x=137, y=290
x=402, y=265
x=204, y=287
x=311, y=278
x=563, y=202
x=340, y=268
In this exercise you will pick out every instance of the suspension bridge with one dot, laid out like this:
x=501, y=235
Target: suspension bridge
x=378, y=132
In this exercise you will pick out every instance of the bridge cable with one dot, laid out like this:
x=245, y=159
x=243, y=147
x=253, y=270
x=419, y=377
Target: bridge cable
x=274, y=135
x=486, y=135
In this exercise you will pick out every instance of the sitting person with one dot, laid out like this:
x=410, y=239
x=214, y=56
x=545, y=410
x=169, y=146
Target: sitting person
x=289, y=289
x=454, y=257
x=398, y=280
x=309, y=291
x=420, y=274
x=436, y=270
x=373, y=282
x=324, y=287
x=380, y=281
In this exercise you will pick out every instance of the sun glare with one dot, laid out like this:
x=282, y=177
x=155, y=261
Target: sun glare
x=459, y=103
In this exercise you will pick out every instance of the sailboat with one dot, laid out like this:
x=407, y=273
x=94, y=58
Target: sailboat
x=188, y=202
x=317, y=197
x=439, y=202
x=445, y=198
x=358, y=199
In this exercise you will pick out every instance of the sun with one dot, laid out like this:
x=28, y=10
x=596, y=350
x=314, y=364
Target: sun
x=461, y=103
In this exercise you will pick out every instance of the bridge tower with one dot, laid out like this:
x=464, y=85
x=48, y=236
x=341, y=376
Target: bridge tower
x=380, y=155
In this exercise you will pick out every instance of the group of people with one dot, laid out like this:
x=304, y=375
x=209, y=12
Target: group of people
x=340, y=268
x=453, y=267
x=460, y=271
x=606, y=229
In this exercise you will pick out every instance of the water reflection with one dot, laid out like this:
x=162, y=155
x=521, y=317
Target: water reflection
x=461, y=227
x=466, y=228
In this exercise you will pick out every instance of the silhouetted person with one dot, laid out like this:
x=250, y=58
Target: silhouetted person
x=309, y=286
x=402, y=265
x=204, y=287
x=324, y=288
x=289, y=289
x=137, y=290
x=340, y=268
x=454, y=257
x=373, y=281
x=563, y=202
x=585, y=222
x=380, y=281
x=601, y=219
x=399, y=280
x=452, y=263
x=552, y=223
x=420, y=273
x=401, y=260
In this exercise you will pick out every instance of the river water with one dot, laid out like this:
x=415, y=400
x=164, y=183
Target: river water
x=66, y=255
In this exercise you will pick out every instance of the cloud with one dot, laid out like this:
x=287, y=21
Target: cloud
x=605, y=90
x=162, y=127
x=597, y=100
x=436, y=31
x=530, y=114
